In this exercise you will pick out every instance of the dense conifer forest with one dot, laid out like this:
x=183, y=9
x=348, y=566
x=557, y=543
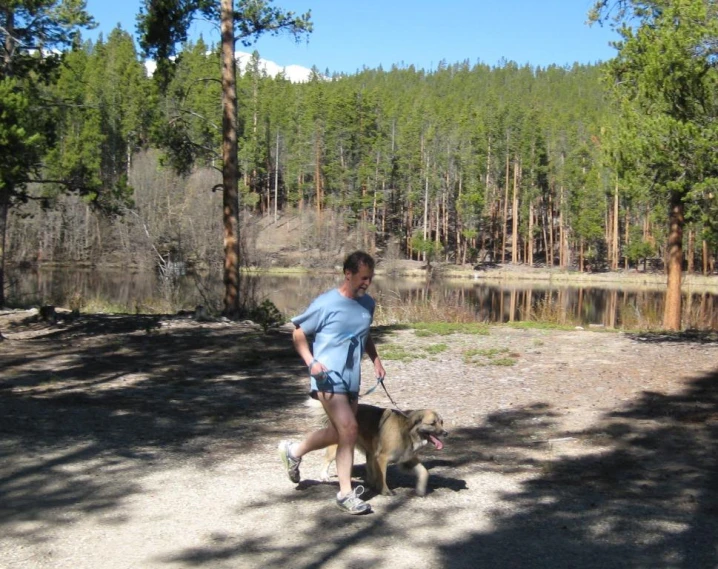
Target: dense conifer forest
x=465, y=163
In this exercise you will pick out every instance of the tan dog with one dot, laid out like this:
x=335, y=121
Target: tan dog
x=390, y=437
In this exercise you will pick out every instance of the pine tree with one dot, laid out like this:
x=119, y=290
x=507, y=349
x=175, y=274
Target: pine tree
x=163, y=25
x=665, y=84
x=29, y=31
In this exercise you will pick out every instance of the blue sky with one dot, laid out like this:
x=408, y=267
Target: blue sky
x=350, y=34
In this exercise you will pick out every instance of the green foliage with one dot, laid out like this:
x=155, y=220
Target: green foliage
x=665, y=84
x=429, y=247
x=267, y=315
x=26, y=129
x=638, y=249
x=21, y=137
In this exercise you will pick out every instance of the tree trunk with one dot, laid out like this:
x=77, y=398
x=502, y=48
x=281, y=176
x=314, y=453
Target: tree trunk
x=530, y=239
x=551, y=231
x=672, y=310
x=562, y=262
x=691, y=251
x=506, y=204
x=4, y=207
x=705, y=257
x=626, y=237
x=614, y=232
x=515, y=216
x=276, y=180
x=318, y=174
x=5, y=191
x=426, y=207
x=230, y=170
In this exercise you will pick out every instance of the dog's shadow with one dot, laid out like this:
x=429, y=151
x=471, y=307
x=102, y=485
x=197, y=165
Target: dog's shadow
x=398, y=479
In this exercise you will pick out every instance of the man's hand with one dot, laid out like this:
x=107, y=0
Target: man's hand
x=379, y=370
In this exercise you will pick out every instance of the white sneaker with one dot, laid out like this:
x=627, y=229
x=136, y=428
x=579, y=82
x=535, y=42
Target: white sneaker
x=290, y=463
x=352, y=504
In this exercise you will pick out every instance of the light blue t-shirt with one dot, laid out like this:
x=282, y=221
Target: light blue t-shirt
x=340, y=327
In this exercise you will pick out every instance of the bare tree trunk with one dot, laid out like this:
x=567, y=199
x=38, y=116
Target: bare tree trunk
x=230, y=194
x=300, y=185
x=626, y=238
x=691, y=251
x=551, y=234
x=672, y=310
x=506, y=204
x=409, y=227
x=426, y=206
x=705, y=257
x=614, y=233
x=530, y=238
x=318, y=174
x=5, y=190
x=276, y=180
x=4, y=207
x=561, y=246
x=543, y=219
x=515, y=216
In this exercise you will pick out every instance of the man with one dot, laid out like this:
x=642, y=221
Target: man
x=339, y=320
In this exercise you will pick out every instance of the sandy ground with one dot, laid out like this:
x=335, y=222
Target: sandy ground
x=150, y=442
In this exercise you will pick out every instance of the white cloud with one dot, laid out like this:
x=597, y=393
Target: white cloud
x=295, y=73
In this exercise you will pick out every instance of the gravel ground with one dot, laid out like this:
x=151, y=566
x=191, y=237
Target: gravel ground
x=150, y=442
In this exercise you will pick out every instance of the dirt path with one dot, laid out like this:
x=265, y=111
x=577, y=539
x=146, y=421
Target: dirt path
x=149, y=442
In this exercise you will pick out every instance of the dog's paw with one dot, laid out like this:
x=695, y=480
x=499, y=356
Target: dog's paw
x=324, y=476
x=388, y=492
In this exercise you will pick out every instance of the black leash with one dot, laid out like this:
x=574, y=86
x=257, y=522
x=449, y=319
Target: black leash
x=380, y=381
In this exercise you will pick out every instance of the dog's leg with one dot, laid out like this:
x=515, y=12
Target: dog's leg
x=329, y=456
x=372, y=472
x=382, y=462
x=422, y=476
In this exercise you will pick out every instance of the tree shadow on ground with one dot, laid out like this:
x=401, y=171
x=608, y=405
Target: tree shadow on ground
x=682, y=337
x=327, y=536
x=647, y=496
x=111, y=394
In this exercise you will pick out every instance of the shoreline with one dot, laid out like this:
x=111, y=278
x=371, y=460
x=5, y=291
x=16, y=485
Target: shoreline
x=497, y=273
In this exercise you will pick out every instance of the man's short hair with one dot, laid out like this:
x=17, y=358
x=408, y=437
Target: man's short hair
x=356, y=259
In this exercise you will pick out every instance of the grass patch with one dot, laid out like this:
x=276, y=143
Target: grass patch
x=490, y=356
x=397, y=352
x=447, y=328
x=540, y=325
x=436, y=349
x=503, y=362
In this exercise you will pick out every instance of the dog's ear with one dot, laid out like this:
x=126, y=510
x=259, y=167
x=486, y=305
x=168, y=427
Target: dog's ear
x=416, y=418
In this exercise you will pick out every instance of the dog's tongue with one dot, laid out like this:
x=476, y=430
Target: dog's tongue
x=437, y=443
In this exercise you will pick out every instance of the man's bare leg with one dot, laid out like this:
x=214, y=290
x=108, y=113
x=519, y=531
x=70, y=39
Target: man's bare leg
x=342, y=431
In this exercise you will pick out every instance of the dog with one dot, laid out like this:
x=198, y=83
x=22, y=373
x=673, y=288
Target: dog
x=387, y=436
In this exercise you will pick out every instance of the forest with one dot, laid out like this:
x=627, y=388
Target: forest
x=466, y=163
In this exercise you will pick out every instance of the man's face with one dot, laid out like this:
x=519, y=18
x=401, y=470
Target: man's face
x=359, y=281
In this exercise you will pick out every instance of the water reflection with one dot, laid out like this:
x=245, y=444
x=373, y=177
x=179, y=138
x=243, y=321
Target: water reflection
x=488, y=302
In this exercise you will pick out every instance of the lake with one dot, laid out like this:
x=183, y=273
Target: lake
x=485, y=301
